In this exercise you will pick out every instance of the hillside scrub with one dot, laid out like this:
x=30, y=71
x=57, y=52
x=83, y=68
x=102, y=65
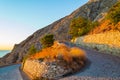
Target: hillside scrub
x=81, y=26
x=47, y=40
x=110, y=22
x=32, y=50
x=114, y=13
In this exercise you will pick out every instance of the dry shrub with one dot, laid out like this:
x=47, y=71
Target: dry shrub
x=77, y=52
x=60, y=49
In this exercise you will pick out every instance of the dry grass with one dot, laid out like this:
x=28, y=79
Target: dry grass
x=105, y=26
x=60, y=49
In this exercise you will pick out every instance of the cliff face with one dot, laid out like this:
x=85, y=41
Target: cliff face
x=93, y=10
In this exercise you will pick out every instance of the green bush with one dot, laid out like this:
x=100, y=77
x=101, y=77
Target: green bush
x=32, y=50
x=47, y=40
x=114, y=13
x=81, y=26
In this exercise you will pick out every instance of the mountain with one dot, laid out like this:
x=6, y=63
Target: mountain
x=94, y=10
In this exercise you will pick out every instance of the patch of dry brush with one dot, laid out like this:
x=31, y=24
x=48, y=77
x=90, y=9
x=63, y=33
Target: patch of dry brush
x=60, y=49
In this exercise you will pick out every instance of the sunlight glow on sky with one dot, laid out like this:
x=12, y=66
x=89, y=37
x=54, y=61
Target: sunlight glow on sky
x=21, y=18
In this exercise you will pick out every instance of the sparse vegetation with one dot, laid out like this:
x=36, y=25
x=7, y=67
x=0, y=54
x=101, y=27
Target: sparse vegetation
x=110, y=22
x=114, y=13
x=47, y=40
x=32, y=50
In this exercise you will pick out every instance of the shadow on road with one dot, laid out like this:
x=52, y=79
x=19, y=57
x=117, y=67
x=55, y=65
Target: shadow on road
x=87, y=65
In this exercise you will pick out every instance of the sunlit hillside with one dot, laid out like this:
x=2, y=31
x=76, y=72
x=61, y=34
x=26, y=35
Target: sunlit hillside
x=106, y=36
x=108, y=32
x=111, y=21
x=105, y=26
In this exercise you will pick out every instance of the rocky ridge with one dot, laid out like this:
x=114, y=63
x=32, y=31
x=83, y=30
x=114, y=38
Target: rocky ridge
x=92, y=10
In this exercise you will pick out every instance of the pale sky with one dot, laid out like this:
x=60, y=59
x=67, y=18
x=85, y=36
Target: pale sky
x=21, y=18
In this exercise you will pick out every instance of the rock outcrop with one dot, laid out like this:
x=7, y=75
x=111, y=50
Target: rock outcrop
x=92, y=10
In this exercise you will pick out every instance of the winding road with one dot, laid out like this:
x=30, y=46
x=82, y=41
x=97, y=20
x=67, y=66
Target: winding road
x=10, y=73
x=100, y=66
x=13, y=72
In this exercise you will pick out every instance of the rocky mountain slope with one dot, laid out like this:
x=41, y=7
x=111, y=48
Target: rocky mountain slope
x=93, y=10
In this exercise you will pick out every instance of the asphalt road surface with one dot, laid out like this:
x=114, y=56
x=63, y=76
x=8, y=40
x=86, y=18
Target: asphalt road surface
x=100, y=66
x=10, y=73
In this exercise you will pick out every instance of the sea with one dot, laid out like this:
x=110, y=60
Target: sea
x=3, y=52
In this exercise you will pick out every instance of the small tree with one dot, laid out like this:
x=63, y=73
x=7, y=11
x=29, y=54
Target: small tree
x=32, y=50
x=77, y=26
x=47, y=40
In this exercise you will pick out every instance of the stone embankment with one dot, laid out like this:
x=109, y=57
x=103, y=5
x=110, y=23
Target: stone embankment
x=108, y=42
x=51, y=69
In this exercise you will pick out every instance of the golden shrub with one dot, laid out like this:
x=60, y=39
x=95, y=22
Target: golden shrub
x=77, y=52
x=59, y=49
